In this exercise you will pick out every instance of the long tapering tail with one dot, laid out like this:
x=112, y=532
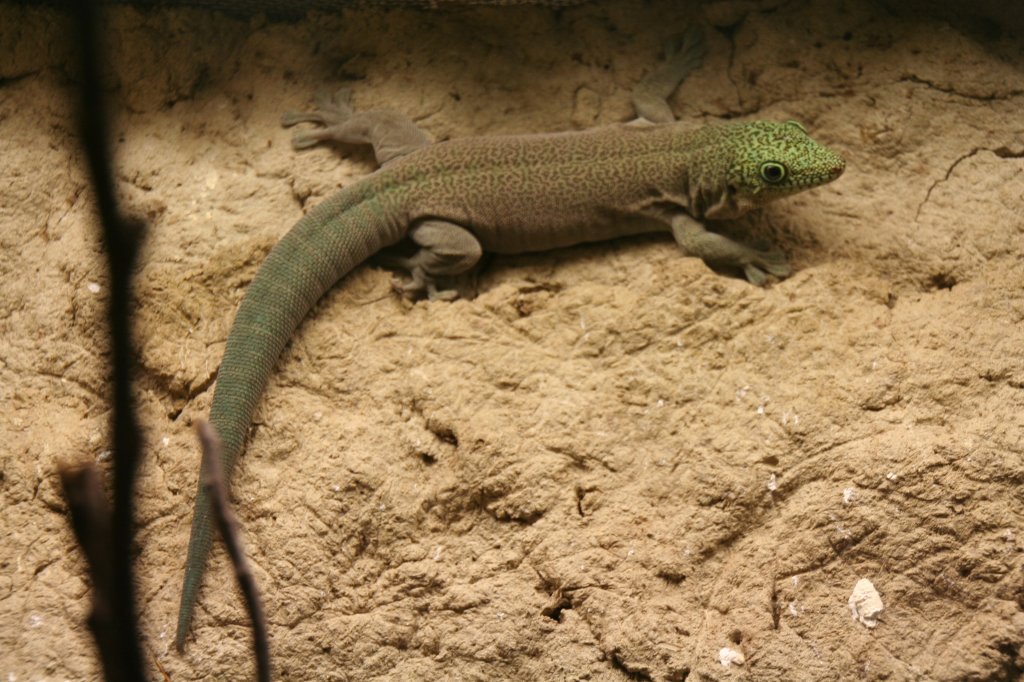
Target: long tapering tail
x=319, y=250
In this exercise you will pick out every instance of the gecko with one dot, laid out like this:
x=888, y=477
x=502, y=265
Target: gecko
x=457, y=199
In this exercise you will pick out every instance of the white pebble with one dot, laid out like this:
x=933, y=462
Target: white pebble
x=865, y=603
x=727, y=657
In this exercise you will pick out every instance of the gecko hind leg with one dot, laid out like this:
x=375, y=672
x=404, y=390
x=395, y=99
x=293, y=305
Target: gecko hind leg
x=391, y=134
x=446, y=252
x=683, y=56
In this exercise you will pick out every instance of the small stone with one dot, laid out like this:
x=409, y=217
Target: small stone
x=865, y=603
x=727, y=657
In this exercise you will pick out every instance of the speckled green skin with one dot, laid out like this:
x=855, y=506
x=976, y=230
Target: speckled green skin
x=514, y=194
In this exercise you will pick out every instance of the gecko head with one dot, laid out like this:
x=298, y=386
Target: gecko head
x=771, y=160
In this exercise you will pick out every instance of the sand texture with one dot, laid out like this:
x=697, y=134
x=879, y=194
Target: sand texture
x=612, y=464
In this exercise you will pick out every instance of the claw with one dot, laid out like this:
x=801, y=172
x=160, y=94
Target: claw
x=754, y=274
x=774, y=262
x=767, y=263
x=330, y=111
x=290, y=118
x=435, y=294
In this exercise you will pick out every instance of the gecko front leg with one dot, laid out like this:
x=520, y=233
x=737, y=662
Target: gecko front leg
x=716, y=249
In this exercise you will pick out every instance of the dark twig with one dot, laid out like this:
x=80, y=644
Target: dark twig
x=213, y=481
x=105, y=535
x=90, y=520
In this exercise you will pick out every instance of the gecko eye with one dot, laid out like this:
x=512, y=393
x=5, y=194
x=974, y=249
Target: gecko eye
x=773, y=172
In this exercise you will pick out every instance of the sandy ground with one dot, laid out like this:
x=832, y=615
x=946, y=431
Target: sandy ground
x=614, y=462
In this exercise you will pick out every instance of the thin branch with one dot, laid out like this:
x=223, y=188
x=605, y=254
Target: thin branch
x=213, y=482
x=104, y=534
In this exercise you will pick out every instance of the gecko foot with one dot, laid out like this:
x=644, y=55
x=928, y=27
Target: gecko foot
x=683, y=55
x=332, y=111
x=415, y=290
x=766, y=263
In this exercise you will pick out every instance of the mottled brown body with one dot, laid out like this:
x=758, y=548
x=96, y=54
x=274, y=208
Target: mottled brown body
x=544, y=191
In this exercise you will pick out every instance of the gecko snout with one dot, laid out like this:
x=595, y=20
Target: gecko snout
x=837, y=167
